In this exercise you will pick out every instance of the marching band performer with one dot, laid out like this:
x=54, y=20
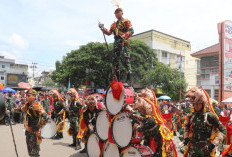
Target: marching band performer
x=35, y=118
x=10, y=105
x=154, y=128
x=88, y=119
x=58, y=111
x=122, y=30
x=203, y=131
x=75, y=110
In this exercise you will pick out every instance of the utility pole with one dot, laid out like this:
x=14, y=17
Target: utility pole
x=33, y=68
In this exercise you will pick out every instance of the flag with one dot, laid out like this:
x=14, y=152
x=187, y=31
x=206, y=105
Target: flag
x=68, y=84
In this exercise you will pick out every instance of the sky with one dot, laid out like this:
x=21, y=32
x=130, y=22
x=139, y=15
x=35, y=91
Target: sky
x=43, y=31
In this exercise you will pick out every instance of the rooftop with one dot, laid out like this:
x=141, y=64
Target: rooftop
x=214, y=49
x=161, y=33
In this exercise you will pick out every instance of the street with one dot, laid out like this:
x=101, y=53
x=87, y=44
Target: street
x=49, y=147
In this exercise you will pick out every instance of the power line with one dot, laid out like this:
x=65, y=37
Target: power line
x=33, y=68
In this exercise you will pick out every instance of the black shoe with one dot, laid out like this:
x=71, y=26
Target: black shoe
x=83, y=151
x=56, y=137
x=72, y=145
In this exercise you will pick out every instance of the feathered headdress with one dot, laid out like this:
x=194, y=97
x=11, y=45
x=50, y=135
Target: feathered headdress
x=73, y=91
x=55, y=92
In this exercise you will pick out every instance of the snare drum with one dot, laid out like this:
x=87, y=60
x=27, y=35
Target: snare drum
x=49, y=130
x=93, y=147
x=102, y=125
x=138, y=151
x=115, y=106
x=122, y=130
x=110, y=150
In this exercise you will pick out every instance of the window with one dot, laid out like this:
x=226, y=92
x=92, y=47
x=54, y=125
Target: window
x=164, y=54
x=216, y=94
x=3, y=66
x=2, y=77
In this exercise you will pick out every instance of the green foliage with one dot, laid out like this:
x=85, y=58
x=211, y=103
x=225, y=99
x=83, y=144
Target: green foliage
x=167, y=79
x=93, y=62
x=48, y=82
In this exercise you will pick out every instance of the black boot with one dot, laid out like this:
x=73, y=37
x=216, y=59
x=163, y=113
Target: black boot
x=128, y=79
x=72, y=145
x=83, y=150
x=118, y=75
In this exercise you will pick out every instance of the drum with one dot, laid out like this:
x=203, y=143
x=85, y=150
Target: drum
x=2, y=107
x=110, y=150
x=93, y=148
x=115, y=106
x=49, y=130
x=122, y=130
x=102, y=125
x=138, y=151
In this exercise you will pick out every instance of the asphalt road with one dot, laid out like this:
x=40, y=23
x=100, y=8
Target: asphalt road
x=49, y=147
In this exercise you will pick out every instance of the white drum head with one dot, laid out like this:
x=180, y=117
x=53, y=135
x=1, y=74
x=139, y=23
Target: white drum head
x=122, y=130
x=49, y=130
x=114, y=106
x=110, y=150
x=102, y=125
x=131, y=152
x=93, y=148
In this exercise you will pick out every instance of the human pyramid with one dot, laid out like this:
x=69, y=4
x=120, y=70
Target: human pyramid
x=125, y=122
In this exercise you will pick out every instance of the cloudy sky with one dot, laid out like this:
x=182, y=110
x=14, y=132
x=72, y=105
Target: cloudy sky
x=43, y=31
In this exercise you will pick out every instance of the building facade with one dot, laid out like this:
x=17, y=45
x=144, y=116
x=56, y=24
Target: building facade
x=11, y=73
x=172, y=51
x=208, y=70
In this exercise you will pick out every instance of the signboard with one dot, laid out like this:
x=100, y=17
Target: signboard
x=225, y=59
x=14, y=79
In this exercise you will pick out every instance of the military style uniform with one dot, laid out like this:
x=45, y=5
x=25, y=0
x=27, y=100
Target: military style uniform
x=150, y=129
x=198, y=131
x=58, y=106
x=74, y=115
x=10, y=104
x=121, y=46
x=35, y=118
x=45, y=103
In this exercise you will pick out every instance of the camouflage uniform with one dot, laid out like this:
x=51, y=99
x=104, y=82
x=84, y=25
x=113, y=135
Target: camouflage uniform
x=34, y=115
x=45, y=103
x=179, y=121
x=58, y=106
x=121, y=46
x=187, y=110
x=10, y=104
x=200, y=125
x=150, y=129
x=74, y=115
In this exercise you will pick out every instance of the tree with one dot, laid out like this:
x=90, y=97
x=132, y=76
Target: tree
x=48, y=82
x=93, y=62
x=167, y=79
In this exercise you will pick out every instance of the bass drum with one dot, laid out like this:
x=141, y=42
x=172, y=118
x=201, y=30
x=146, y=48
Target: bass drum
x=122, y=130
x=49, y=130
x=115, y=106
x=110, y=150
x=2, y=107
x=138, y=151
x=93, y=148
x=102, y=125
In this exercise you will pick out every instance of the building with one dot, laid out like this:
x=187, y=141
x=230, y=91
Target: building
x=11, y=73
x=208, y=70
x=168, y=48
